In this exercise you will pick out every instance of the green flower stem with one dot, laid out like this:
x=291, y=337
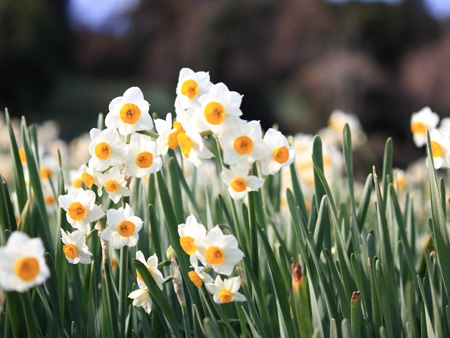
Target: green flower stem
x=123, y=294
x=149, y=133
x=89, y=235
x=187, y=324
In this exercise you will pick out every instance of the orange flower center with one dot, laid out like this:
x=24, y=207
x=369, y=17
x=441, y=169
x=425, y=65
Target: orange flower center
x=195, y=278
x=238, y=184
x=185, y=143
x=214, y=113
x=173, y=137
x=130, y=113
x=243, y=145
x=111, y=186
x=77, y=211
x=70, y=250
x=22, y=155
x=77, y=183
x=189, y=88
x=214, y=255
x=26, y=268
x=144, y=159
x=281, y=154
x=50, y=200
x=88, y=180
x=126, y=228
x=187, y=243
x=225, y=296
x=418, y=128
x=436, y=149
x=46, y=172
x=102, y=150
x=138, y=275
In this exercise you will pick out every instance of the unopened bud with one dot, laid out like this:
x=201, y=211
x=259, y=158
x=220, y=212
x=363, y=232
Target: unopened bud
x=296, y=272
x=170, y=253
x=355, y=295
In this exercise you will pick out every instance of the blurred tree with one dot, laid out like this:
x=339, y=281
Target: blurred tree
x=35, y=44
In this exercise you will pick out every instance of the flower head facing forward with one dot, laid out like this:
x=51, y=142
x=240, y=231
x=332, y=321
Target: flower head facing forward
x=191, y=85
x=123, y=227
x=129, y=113
x=75, y=247
x=106, y=149
x=143, y=156
x=244, y=142
x=280, y=153
x=152, y=266
x=189, y=232
x=422, y=121
x=219, y=251
x=22, y=263
x=141, y=298
x=220, y=108
x=114, y=183
x=226, y=291
x=81, y=209
x=239, y=182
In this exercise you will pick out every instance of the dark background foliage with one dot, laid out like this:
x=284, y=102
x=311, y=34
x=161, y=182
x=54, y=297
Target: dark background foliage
x=294, y=61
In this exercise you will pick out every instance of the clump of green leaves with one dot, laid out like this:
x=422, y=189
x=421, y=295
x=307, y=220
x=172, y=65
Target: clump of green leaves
x=351, y=265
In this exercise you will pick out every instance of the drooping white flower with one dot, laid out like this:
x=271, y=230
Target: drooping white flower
x=279, y=152
x=226, y=291
x=141, y=298
x=75, y=247
x=422, y=121
x=22, y=263
x=81, y=209
x=191, y=144
x=152, y=266
x=167, y=136
x=143, y=156
x=89, y=176
x=219, y=251
x=440, y=146
x=129, y=113
x=123, y=227
x=106, y=149
x=198, y=276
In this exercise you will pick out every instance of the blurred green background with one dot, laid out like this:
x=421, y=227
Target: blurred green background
x=294, y=61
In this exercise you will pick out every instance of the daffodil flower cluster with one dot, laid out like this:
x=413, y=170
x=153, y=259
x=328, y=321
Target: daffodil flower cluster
x=204, y=108
x=133, y=145
x=118, y=153
x=425, y=121
x=216, y=252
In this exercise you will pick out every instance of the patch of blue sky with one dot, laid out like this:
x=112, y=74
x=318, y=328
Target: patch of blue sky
x=109, y=15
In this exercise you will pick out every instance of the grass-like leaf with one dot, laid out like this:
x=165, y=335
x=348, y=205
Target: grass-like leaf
x=158, y=297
